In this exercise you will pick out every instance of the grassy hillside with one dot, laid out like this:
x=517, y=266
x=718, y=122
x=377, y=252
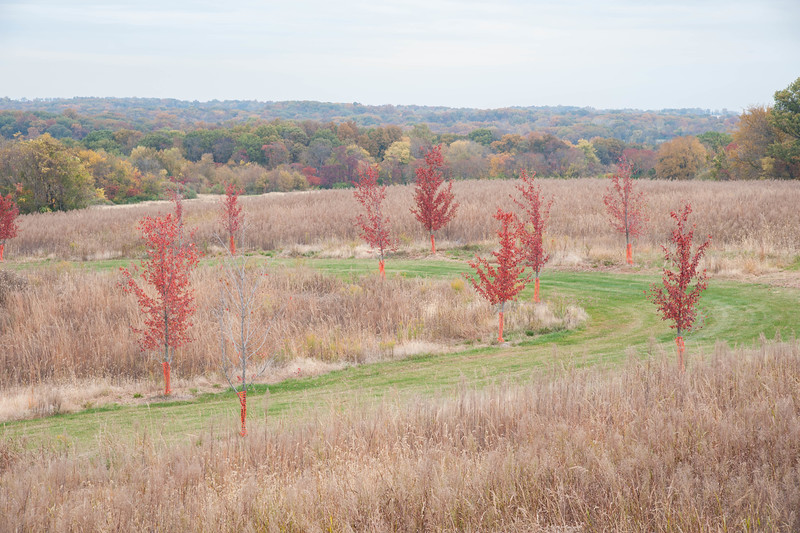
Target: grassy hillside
x=637, y=448
x=621, y=324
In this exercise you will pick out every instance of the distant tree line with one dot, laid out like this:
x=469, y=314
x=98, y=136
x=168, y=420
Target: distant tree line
x=65, y=161
x=77, y=117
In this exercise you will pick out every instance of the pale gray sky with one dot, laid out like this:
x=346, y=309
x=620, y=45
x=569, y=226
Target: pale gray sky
x=645, y=54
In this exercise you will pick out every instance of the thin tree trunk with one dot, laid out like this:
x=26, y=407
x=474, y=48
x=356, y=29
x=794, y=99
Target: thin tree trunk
x=500, y=331
x=233, y=245
x=1, y=251
x=681, y=349
x=382, y=270
x=166, y=367
x=628, y=251
x=433, y=245
x=243, y=405
x=536, y=289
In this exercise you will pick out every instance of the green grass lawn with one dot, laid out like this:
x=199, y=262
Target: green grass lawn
x=621, y=322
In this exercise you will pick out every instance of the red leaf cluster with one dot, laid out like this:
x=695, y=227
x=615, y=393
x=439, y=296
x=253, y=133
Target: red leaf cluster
x=501, y=283
x=624, y=204
x=8, y=218
x=374, y=223
x=535, y=215
x=167, y=269
x=434, y=202
x=675, y=299
x=231, y=213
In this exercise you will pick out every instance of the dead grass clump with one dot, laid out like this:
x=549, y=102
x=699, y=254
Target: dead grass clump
x=68, y=325
x=10, y=453
x=556, y=314
x=637, y=448
x=10, y=282
x=47, y=402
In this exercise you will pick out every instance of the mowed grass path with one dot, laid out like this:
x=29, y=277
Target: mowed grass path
x=621, y=322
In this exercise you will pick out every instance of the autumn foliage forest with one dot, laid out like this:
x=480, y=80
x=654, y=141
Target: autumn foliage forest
x=127, y=150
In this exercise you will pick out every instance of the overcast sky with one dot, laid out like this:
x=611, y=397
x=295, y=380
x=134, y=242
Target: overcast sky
x=646, y=54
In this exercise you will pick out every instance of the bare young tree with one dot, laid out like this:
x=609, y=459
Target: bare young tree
x=244, y=325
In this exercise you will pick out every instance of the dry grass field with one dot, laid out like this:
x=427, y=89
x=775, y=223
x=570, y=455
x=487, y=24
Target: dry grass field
x=753, y=224
x=580, y=423
x=636, y=448
x=62, y=324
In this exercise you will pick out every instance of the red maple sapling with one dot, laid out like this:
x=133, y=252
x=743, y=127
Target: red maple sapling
x=167, y=269
x=626, y=206
x=536, y=212
x=675, y=299
x=230, y=214
x=8, y=221
x=434, y=202
x=501, y=283
x=374, y=223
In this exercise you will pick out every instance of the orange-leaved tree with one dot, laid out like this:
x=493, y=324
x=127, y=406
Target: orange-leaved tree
x=244, y=326
x=503, y=282
x=434, y=201
x=625, y=205
x=675, y=297
x=8, y=221
x=165, y=297
x=535, y=215
x=374, y=223
x=230, y=214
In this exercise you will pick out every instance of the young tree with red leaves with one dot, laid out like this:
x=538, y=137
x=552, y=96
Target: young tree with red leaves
x=675, y=299
x=8, y=221
x=231, y=214
x=536, y=212
x=435, y=206
x=374, y=223
x=501, y=283
x=167, y=302
x=626, y=206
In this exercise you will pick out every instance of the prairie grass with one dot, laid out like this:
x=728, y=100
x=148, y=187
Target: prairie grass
x=60, y=325
x=633, y=448
x=758, y=221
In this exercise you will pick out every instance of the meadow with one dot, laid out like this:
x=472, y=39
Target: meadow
x=754, y=221
x=390, y=405
x=637, y=447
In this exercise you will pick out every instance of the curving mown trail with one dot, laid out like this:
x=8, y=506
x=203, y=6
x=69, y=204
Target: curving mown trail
x=622, y=323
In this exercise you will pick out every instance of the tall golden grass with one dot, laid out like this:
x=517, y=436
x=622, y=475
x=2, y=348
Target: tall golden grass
x=59, y=324
x=751, y=217
x=640, y=448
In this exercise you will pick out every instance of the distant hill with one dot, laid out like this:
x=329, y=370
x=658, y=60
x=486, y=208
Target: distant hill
x=566, y=122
